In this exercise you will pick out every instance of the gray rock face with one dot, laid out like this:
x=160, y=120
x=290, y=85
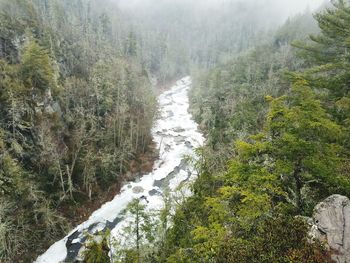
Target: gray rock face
x=331, y=220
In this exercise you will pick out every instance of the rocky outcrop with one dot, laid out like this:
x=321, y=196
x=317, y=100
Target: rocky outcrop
x=331, y=224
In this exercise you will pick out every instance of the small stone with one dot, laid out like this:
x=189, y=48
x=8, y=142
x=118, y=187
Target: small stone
x=138, y=190
x=178, y=129
x=154, y=192
x=189, y=144
x=179, y=139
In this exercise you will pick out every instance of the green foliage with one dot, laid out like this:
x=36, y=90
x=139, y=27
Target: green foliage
x=18, y=224
x=246, y=211
x=281, y=239
x=74, y=112
x=301, y=144
x=328, y=57
x=97, y=251
x=296, y=28
x=36, y=69
x=281, y=172
x=328, y=52
x=131, y=45
x=139, y=233
x=229, y=102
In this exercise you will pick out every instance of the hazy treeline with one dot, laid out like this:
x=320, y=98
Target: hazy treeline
x=176, y=36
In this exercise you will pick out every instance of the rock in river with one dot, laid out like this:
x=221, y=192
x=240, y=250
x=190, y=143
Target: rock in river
x=138, y=190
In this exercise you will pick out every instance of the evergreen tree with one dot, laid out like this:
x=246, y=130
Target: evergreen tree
x=139, y=231
x=329, y=51
x=301, y=144
x=97, y=251
x=328, y=70
x=37, y=69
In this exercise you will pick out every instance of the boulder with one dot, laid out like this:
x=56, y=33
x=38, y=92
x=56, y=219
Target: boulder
x=179, y=139
x=178, y=129
x=331, y=224
x=138, y=190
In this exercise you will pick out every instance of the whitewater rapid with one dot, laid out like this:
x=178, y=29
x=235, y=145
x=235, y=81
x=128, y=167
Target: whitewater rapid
x=176, y=135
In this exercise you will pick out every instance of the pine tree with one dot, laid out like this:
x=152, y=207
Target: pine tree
x=328, y=71
x=301, y=145
x=37, y=69
x=329, y=56
x=97, y=251
x=139, y=231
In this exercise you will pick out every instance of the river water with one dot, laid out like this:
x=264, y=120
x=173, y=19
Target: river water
x=176, y=135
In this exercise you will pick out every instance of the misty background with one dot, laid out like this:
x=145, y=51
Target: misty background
x=174, y=37
x=284, y=7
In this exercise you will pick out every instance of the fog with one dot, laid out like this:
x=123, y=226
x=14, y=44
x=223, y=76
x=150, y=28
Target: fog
x=284, y=7
x=292, y=7
x=265, y=13
x=205, y=32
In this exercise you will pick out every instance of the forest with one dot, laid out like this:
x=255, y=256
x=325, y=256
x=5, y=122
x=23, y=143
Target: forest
x=79, y=95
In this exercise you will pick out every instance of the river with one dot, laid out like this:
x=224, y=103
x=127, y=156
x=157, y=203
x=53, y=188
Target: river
x=176, y=135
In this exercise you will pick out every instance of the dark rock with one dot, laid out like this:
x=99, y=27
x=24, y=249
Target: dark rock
x=154, y=192
x=111, y=225
x=179, y=139
x=164, y=183
x=73, y=236
x=178, y=129
x=189, y=144
x=169, y=114
x=138, y=190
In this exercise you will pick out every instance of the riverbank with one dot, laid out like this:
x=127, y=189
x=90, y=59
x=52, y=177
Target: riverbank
x=176, y=136
x=76, y=213
x=81, y=211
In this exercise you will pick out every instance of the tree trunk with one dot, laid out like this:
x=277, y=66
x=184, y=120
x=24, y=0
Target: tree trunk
x=138, y=234
x=298, y=186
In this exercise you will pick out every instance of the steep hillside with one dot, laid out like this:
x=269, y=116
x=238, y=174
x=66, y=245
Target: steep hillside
x=75, y=111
